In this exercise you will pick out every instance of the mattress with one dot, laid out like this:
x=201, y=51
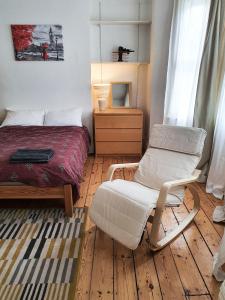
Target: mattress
x=69, y=143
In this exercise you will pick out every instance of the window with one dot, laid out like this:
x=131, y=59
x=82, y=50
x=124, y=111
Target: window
x=186, y=47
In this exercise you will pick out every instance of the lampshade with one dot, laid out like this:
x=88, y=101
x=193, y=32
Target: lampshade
x=101, y=90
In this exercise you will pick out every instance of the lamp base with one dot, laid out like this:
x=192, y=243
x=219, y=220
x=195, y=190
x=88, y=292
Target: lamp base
x=102, y=104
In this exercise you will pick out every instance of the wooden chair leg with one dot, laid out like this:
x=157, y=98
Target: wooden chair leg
x=156, y=245
x=68, y=200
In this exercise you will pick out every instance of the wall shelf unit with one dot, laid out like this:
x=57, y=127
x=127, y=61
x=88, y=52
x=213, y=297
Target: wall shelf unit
x=120, y=22
x=121, y=62
x=117, y=23
x=125, y=23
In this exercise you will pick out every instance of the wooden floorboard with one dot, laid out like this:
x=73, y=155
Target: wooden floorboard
x=182, y=270
x=199, y=250
x=146, y=276
x=208, y=204
x=184, y=261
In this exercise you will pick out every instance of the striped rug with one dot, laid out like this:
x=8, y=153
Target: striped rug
x=39, y=253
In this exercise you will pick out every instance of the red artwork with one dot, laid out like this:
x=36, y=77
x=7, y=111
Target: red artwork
x=37, y=42
x=45, y=51
x=22, y=37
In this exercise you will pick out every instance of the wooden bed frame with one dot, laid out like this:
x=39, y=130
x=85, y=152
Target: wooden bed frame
x=31, y=192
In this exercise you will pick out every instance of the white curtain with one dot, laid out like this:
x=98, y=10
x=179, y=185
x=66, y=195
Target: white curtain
x=216, y=181
x=216, y=177
x=189, y=26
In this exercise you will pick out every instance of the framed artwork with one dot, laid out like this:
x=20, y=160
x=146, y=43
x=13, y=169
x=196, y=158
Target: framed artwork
x=38, y=42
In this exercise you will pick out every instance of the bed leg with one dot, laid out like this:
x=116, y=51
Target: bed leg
x=68, y=200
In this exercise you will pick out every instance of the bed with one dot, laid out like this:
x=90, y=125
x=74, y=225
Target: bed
x=59, y=178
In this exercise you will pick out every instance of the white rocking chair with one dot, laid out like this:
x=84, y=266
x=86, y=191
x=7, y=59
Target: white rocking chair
x=122, y=208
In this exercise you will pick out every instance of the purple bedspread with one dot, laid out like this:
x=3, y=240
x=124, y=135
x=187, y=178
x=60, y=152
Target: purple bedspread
x=70, y=146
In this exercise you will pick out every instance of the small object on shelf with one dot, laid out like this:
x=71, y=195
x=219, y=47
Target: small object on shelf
x=121, y=52
x=102, y=104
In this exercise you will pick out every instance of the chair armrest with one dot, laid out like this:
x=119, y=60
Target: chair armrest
x=113, y=167
x=160, y=207
x=169, y=184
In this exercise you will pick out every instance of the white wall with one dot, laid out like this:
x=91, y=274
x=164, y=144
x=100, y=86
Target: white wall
x=160, y=34
x=47, y=85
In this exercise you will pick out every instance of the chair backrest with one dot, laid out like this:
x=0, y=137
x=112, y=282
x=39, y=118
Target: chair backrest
x=173, y=153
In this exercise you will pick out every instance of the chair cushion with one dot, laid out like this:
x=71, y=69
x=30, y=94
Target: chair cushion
x=121, y=209
x=158, y=166
x=187, y=140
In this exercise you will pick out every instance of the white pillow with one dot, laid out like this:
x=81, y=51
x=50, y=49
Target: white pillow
x=69, y=117
x=24, y=118
x=182, y=139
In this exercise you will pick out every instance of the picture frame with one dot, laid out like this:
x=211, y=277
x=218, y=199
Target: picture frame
x=43, y=42
x=120, y=94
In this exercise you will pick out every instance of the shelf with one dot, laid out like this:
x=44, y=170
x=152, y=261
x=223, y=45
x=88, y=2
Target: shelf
x=121, y=62
x=121, y=22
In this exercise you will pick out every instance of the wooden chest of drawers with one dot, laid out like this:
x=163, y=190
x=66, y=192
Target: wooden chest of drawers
x=118, y=131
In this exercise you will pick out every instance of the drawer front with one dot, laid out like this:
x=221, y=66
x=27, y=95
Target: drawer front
x=118, y=148
x=118, y=121
x=120, y=135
